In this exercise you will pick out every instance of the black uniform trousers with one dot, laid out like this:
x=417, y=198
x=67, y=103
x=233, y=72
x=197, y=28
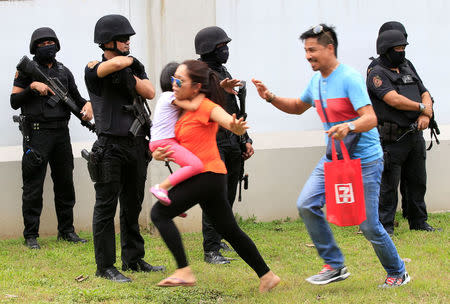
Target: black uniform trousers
x=47, y=146
x=406, y=157
x=123, y=171
x=231, y=155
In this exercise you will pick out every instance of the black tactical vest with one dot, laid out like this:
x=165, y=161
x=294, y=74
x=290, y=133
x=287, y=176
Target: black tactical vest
x=406, y=84
x=230, y=105
x=110, y=116
x=38, y=109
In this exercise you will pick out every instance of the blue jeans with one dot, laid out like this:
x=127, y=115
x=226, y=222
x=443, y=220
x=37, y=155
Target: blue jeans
x=312, y=200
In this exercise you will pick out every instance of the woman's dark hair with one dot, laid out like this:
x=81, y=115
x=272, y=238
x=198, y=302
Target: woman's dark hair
x=326, y=35
x=167, y=72
x=199, y=72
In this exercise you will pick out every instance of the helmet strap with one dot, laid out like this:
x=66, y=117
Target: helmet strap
x=114, y=49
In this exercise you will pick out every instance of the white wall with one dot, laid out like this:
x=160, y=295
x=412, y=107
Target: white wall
x=73, y=22
x=265, y=43
x=165, y=31
x=266, y=46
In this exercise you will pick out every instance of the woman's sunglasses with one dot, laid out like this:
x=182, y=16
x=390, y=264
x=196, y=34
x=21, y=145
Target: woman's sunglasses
x=177, y=81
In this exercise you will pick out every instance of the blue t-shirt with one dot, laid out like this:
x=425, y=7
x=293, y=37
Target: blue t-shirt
x=343, y=93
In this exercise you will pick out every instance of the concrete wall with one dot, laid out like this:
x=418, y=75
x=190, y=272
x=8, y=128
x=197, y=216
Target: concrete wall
x=264, y=45
x=165, y=32
x=276, y=178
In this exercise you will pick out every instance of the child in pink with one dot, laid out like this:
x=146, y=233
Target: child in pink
x=167, y=112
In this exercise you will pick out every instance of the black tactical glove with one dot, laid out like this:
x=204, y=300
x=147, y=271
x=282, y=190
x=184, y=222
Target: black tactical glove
x=138, y=68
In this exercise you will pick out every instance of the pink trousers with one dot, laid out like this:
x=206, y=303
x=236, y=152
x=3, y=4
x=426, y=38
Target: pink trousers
x=190, y=164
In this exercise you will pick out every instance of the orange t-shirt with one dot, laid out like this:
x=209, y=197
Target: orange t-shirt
x=197, y=133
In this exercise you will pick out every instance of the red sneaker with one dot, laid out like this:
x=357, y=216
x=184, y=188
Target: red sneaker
x=396, y=280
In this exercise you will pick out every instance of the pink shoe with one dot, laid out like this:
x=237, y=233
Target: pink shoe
x=161, y=195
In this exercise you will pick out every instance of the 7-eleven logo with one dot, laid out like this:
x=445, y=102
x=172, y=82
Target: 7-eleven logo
x=344, y=193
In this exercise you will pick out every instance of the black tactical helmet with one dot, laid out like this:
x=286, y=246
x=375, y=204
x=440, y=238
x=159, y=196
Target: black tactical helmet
x=111, y=26
x=42, y=34
x=393, y=25
x=208, y=38
x=389, y=39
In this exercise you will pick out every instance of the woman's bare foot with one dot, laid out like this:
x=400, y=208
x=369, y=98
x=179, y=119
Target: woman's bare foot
x=268, y=281
x=181, y=277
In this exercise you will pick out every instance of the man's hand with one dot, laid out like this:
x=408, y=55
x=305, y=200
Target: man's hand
x=42, y=88
x=229, y=84
x=87, y=111
x=338, y=131
x=163, y=154
x=263, y=92
x=427, y=112
x=247, y=154
x=422, y=122
x=137, y=67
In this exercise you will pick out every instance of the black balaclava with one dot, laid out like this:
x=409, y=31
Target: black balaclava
x=46, y=54
x=216, y=58
x=392, y=58
x=222, y=53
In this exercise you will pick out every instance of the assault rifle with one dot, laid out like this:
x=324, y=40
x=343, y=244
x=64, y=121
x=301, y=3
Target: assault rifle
x=434, y=130
x=31, y=68
x=243, y=177
x=142, y=112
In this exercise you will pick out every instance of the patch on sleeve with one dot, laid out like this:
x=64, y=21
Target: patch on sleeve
x=377, y=82
x=92, y=64
x=17, y=75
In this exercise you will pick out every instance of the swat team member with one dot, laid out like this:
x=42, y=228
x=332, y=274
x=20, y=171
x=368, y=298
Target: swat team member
x=119, y=157
x=404, y=108
x=211, y=45
x=395, y=25
x=46, y=125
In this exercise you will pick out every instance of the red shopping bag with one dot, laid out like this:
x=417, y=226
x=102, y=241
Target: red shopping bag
x=344, y=189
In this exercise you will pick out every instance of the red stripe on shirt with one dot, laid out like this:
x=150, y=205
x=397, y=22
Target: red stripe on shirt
x=338, y=109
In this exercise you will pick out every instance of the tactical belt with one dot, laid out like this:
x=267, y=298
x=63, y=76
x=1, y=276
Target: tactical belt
x=391, y=132
x=399, y=131
x=121, y=140
x=49, y=124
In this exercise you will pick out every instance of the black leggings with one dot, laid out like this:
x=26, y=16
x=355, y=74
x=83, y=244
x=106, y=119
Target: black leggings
x=209, y=190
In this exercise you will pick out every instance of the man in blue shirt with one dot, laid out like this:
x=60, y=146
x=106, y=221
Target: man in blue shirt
x=346, y=108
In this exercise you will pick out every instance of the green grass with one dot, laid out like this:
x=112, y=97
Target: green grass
x=48, y=275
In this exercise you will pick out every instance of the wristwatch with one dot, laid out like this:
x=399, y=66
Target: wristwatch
x=351, y=126
x=271, y=97
x=422, y=107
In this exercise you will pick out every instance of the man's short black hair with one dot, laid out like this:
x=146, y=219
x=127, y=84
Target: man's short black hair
x=325, y=36
x=166, y=73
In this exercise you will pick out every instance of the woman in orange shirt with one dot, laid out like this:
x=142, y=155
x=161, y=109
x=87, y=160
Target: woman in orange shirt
x=196, y=131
